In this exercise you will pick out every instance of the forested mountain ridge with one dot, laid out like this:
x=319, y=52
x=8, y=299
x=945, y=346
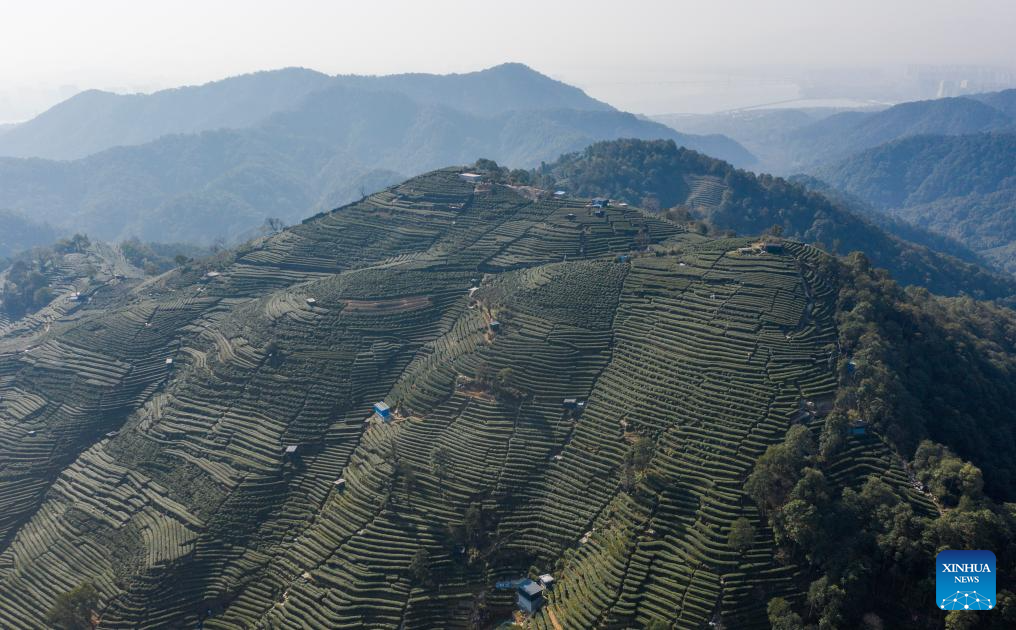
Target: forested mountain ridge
x=503, y=88
x=697, y=188
x=846, y=133
x=328, y=147
x=892, y=225
x=961, y=186
x=202, y=450
x=1004, y=101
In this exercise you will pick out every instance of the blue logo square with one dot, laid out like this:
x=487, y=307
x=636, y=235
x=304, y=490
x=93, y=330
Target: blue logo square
x=965, y=580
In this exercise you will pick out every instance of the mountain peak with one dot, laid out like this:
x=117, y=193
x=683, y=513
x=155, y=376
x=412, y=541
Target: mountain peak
x=513, y=67
x=506, y=87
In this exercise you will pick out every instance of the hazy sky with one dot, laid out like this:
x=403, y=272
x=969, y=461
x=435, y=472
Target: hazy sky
x=621, y=51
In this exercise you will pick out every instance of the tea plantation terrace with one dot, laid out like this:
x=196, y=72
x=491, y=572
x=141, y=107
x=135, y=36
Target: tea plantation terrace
x=172, y=491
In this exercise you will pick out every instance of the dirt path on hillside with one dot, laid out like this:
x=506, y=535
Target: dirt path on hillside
x=553, y=619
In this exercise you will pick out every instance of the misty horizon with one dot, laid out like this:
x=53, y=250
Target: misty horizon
x=646, y=57
x=703, y=90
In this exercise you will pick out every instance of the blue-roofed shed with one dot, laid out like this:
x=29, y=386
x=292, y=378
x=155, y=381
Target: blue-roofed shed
x=530, y=596
x=858, y=427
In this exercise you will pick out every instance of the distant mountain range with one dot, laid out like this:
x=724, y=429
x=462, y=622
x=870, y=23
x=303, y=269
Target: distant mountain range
x=94, y=120
x=849, y=132
x=791, y=141
x=765, y=131
x=215, y=160
x=724, y=198
x=960, y=186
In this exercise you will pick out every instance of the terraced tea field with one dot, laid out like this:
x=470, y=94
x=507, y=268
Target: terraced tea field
x=203, y=449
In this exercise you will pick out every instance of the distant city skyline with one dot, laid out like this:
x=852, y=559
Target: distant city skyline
x=649, y=57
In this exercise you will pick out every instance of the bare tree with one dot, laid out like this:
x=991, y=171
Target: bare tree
x=273, y=225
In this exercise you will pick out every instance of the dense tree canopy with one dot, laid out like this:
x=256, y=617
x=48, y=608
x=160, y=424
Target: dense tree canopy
x=910, y=362
x=74, y=610
x=963, y=187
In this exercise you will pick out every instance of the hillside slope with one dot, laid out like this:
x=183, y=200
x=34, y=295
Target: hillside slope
x=895, y=226
x=960, y=186
x=704, y=189
x=169, y=485
x=18, y=232
x=47, y=283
